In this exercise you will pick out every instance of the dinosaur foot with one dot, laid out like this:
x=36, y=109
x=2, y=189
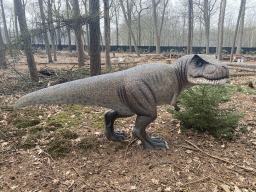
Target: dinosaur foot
x=116, y=136
x=156, y=143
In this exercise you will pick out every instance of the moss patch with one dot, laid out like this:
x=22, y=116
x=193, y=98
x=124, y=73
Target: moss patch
x=59, y=148
x=88, y=144
x=121, y=145
x=70, y=116
x=49, y=129
x=24, y=123
x=30, y=142
x=97, y=120
x=20, y=133
x=36, y=129
x=67, y=134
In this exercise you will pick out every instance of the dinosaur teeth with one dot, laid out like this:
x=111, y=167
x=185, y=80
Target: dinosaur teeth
x=203, y=81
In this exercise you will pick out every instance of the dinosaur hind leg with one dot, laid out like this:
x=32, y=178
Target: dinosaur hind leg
x=110, y=117
x=139, y=132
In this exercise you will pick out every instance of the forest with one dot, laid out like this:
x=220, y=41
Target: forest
x=63, y=147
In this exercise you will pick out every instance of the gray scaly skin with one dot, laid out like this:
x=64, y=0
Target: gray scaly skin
x=137, y=90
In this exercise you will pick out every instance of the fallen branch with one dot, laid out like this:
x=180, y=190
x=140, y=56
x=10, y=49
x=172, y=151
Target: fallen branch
x=241, y=74
x=133, y=141
x=4, y=134
x=215, y=157
x=48, y=177
x=46, y=153
x=112, y=186
x=251, y=66
x=20, y=74
x=221, y=180
x=45, y=63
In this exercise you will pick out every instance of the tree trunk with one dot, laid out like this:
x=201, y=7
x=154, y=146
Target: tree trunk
x=107, y=33
x=241, y=30
x=4, y=23
x=16, y=29
x=183, y=31
x=47, y=46
x=117, y=28
x=95, y=59
x=78, y=34
x=68, y=28
x=6, y=30
x=129, y=16
x=190, y=26
x=57, y=10
x=237, y=25
x=25, y=36
x=207, y=25
x=221, y=28
x=218, y=33
x=157, y=37
x=87, y=28
x=3, y=64
x=130, y=29
x=51, y=29
x=139, y=27
x=158, y=31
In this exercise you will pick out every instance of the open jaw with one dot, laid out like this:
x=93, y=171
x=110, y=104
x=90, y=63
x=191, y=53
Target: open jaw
x=204, y=81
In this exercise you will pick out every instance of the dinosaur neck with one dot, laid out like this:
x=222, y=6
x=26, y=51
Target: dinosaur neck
x=181, y=69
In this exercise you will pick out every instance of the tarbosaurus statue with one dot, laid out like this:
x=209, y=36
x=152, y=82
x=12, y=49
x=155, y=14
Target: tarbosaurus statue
x=138, y=90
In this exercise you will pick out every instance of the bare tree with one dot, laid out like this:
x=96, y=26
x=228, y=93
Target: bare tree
x=158, y=30
x=25, y=36
x=4, y=23
x=95, y=59
x=128, y=23
x=107, y=32
x=190, y=26
x=52, y=30
x=87, y=27
x=47, y=45
x=207, y=25
x=241, y=30
x=3, y=64
x=116, y=13
x=221, y=28
x=237, y=25
x=68, y=27
x=208, y=9
x=78, y=33
x=139, y=12
x=57, y=7
x=16, y=28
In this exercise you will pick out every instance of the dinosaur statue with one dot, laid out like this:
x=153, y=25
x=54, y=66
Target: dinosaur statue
x=137, y=90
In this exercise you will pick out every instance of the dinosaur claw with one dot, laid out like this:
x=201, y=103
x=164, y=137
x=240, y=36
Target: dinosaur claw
x=117, y=136
x=157, y=144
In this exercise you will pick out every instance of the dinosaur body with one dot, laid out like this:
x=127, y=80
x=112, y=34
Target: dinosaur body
x=137, y=90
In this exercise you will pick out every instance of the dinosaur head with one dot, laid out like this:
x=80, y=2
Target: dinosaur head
x=206, y=70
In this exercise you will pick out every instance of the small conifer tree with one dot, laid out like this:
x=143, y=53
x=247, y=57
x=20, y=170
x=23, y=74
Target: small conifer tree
x=202, y=111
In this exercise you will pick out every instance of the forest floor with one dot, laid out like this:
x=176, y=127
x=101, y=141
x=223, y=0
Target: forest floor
x=63, y=148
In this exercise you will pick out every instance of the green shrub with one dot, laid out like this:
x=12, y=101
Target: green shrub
x=202, y=110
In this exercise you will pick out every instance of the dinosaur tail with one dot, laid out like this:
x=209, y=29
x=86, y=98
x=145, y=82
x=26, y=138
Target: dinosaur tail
x=74, y=92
